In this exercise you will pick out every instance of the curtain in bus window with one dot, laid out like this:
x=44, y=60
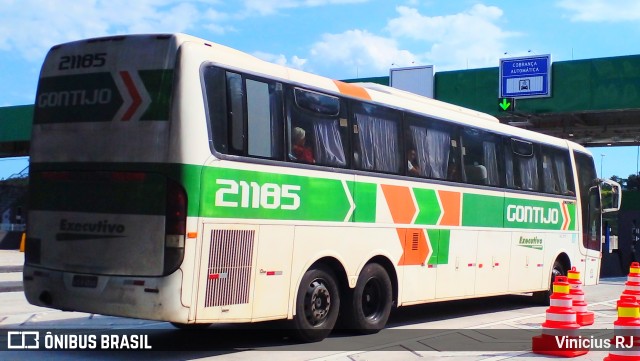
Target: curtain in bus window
x=235, y=96
x=550, y=185
x=562, y=174
x=328, y=143
x=491, y=163
x=379, y=143
x=438, y=148
x=419, y=137
x=529, y=172
x=508, y=167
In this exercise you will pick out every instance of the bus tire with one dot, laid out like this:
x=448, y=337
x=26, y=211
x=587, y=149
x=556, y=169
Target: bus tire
x=542, y=298
x=318, y=305
x=369, y=304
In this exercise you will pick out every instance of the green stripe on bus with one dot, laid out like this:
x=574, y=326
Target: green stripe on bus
x=365, y=200
x=429, y=209
x=77, y=98
x=234, y=193
x=265, y=195
x=482, y=211
x=496, y=211
x=571, y=207
x=96, y=97
x=158, y=83
x=96, y=192
x=189, y=176
x=439, y=239
x=533, y=214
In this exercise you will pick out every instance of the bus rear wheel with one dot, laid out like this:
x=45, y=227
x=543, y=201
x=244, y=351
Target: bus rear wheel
x=318, y=305
x=369, y=304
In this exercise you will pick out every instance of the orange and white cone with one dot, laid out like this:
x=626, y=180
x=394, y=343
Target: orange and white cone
x=632, y=286
x=625, y=345
x=560, y=321
x=583, y=317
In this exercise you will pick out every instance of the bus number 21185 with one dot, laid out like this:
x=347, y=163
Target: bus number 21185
x=244, y=194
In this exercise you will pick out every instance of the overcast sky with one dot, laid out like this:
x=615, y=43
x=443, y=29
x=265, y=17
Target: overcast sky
x=341, y=39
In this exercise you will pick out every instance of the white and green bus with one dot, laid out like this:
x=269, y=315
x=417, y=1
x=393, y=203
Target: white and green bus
x=179, y=180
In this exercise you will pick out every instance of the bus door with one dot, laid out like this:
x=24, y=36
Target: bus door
x=596, y=197
x=591, y=237
x=605, y=197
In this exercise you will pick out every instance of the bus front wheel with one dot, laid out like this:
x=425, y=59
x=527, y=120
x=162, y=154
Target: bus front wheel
x=369, y=306
x=318, y=305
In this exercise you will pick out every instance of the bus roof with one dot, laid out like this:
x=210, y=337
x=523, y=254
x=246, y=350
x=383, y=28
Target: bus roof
x=378, y=93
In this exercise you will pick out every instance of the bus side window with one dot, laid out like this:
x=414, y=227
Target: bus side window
x=525, y=165
x=416, y=148
x=317, y=128
x=453, y=167
x=264, y=119
x=481, y=155
x=216, y=102
x=377, y=133
x=556, y=171
x=562, y=163
x=435, y=147
x=245, y=114
x=549, y=180
x=235, y=109
x=508, y=164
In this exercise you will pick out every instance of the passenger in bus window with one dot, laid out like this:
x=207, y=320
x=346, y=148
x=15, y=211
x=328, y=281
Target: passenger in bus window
x=357, y=161
x=301, y=151
x=452, y=169
x=412, y=167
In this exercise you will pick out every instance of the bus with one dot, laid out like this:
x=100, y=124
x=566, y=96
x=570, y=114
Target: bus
x=180, y=180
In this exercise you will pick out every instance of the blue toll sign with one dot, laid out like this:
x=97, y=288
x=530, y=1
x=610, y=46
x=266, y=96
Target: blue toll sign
x=525, y=77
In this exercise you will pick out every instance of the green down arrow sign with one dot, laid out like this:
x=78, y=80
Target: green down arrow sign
x=506, y=104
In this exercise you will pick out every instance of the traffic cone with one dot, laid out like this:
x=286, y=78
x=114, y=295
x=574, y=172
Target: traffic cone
x=583, y=317
x=625, y=345
x=22, y=241
x=560, y=321
x=632, y=286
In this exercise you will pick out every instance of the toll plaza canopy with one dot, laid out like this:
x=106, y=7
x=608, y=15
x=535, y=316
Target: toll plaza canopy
x=15, y=130
x=593, y=102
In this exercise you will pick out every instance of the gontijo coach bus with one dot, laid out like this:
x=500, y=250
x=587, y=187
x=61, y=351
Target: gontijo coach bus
x=180, y=180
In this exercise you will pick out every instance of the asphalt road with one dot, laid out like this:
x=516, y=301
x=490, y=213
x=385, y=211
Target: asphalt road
x=495, y=328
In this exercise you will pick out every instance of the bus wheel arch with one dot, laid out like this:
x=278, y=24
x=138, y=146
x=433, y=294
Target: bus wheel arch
x=318, y=300
x=338, y=270
x=560, y=266
x=367, y=307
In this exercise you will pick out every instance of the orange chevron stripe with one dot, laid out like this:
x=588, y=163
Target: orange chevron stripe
x=400, y=203
x=352, y=90
x=415, y=247
x=451, y=208
x=565, y=214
